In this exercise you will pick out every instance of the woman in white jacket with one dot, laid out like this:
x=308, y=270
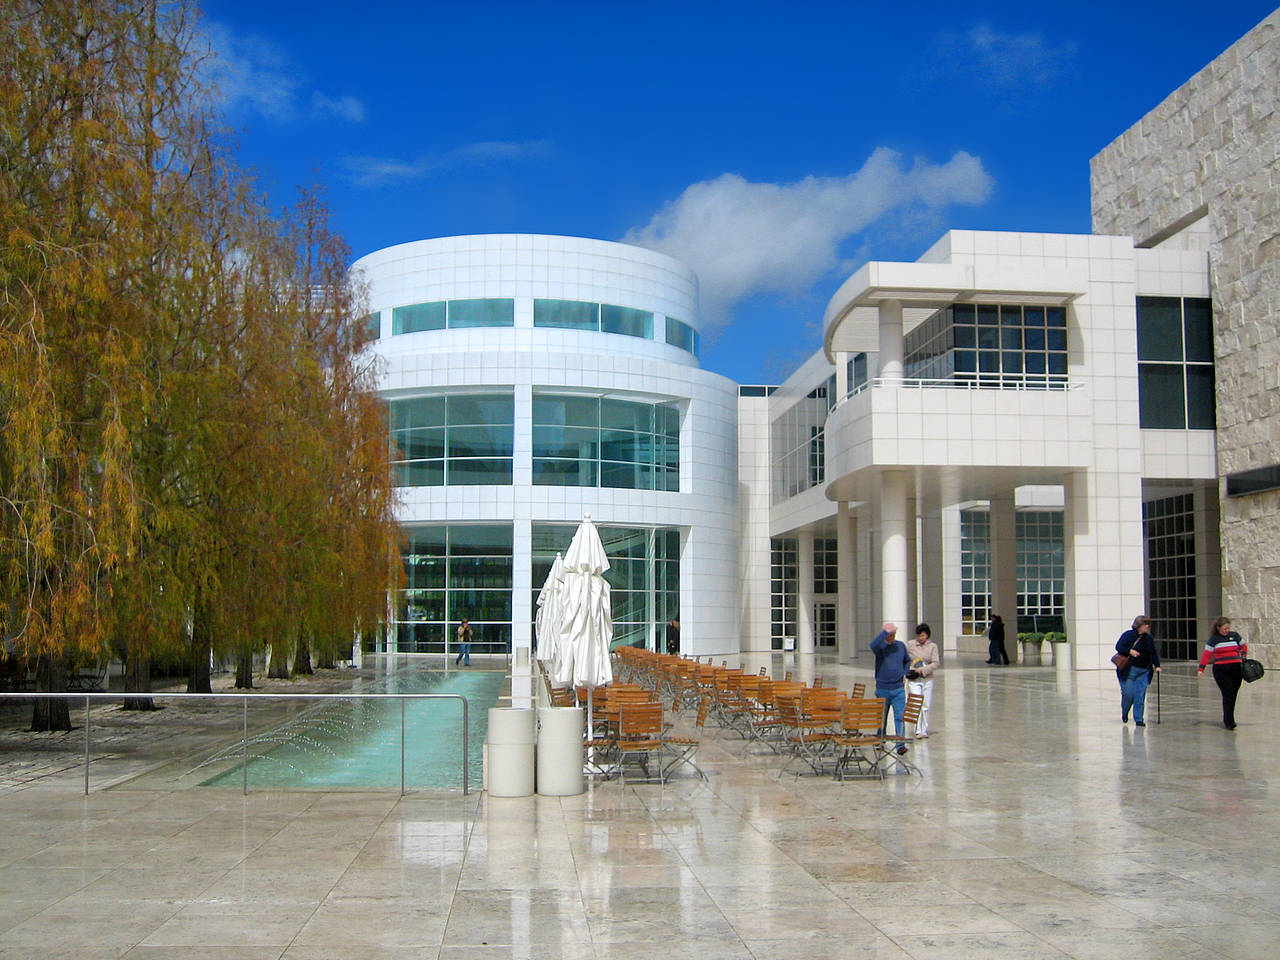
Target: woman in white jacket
x=923, y=654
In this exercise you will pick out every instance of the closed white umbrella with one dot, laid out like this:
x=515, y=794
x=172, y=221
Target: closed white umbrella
x=550, y=609
x=586, y=615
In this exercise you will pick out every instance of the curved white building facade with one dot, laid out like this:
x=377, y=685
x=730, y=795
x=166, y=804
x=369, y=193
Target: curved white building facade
x=532, y=380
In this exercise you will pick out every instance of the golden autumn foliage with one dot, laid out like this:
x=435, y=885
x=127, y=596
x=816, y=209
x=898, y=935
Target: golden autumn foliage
x=191, y=454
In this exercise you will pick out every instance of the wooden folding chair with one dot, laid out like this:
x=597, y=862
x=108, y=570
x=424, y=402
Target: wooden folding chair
x=683, y=749
x=640, y=739
x=807, y=738
x=859, y=742
x=893, y=748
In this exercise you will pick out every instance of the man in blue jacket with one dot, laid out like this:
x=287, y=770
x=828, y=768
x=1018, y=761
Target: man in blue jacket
x=892, y=664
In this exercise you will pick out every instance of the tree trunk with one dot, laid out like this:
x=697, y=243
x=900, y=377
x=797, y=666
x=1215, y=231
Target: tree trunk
x=51, y=677
x=198, y=679
x=279, y=669
x=137, y=679
x=244, y=672
x=302, y=659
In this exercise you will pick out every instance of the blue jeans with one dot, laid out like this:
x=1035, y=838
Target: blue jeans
x=1133, y=693
x=464, y=651
x=895, y=699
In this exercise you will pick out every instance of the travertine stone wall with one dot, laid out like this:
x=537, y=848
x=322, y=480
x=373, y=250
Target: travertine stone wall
x=1212, y=150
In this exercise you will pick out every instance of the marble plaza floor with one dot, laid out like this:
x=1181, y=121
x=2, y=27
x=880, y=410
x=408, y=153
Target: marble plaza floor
x=1041, y=828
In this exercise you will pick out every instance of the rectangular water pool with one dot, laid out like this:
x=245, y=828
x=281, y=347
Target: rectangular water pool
x=356, y=743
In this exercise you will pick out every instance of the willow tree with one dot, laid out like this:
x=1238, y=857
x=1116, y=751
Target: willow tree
x=181, y=411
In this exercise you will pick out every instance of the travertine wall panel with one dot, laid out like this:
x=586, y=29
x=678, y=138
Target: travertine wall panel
x=1212, y=150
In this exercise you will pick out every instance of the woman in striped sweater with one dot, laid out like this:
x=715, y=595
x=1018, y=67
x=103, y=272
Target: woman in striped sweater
x=1223, y=650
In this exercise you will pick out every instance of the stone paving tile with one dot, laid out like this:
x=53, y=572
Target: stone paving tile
x=1040, y=828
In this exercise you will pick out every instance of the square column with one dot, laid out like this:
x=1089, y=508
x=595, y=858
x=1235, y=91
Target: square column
x=1004, y=564
x=932, y=609
x=804, y=591
x=846, y=550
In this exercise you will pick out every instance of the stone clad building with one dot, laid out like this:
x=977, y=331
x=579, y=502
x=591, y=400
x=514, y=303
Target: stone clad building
x=1202, y=172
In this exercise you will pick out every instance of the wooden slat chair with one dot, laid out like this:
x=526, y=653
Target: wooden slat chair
x=683, y=749
x=817, y=682
x=766, y=725
x=639, y=740
x=731, y=710
x=859, y=691
x=825, y=704
x=858, y=745
x=807, y=739
x=764, y=671
x=893, y=748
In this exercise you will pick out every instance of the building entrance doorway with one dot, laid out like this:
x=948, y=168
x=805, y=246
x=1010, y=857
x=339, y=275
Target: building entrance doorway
x=824, y=623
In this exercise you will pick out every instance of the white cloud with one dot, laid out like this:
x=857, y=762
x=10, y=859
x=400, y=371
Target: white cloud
x=1005, y=59
x=253, y=74
x=340, y=108
x=374, y=171
x=746, y=238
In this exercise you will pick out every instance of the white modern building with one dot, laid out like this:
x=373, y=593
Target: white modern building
x=1016, y=423
x=532, y=381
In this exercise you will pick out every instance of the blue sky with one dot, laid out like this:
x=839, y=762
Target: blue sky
x=772, y=146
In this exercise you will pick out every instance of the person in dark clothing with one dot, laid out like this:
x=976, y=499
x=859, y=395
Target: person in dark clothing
x=996, y=652
x=892, y=665
x=673, y=636
x=1224, y=649
x=1144, y=662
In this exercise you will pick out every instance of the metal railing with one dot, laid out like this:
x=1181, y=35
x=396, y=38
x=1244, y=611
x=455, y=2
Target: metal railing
x=978, y=382
x=244, y=698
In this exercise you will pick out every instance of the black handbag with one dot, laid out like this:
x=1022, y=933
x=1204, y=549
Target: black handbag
x=1251, y=670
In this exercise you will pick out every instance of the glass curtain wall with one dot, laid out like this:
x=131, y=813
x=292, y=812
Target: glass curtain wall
x=603, y=442
x=1169, y=529
x=451, y=572
x=797, y=440
x=975, y=571
x=990, y=345
x=453, y=315
x=643, y=577
x=1041, y=571
x=784, y=577
x=454, y=440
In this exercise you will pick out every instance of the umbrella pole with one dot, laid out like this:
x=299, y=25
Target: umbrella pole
x=591, y=751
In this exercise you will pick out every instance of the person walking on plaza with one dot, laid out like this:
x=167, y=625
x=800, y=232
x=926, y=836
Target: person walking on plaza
x=673, y=636
x=996, y=652
x=1144, y=662
x=923, y=654
x=1224, y=650
x=464, y=643
x=892, y=664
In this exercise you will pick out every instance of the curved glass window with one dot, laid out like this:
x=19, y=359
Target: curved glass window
x=453, y=572
x=604, y=317
x=566, y=314
x=455, y=440
x=680, y=334
x=490, y=312
x=453, y=315
x=643, y=576
x=606, y=442
x=626, y=321
x=417, y=317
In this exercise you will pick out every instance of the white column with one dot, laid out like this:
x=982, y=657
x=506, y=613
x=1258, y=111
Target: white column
x=866, y=574
x=894, y=592
x=846, y=551
x=1004, y=566
x=842, y=375
x=891, y=340
x=932, y=609
x=804, y=591
x=913, y=566
x=521, y=612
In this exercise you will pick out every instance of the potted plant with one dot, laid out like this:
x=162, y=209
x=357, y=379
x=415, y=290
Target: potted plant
x=1029, y=642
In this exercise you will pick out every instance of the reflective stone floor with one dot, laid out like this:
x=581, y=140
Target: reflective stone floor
x=1041, y=827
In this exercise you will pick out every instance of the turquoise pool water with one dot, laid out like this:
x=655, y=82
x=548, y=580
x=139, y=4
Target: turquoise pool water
x=356, y=744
